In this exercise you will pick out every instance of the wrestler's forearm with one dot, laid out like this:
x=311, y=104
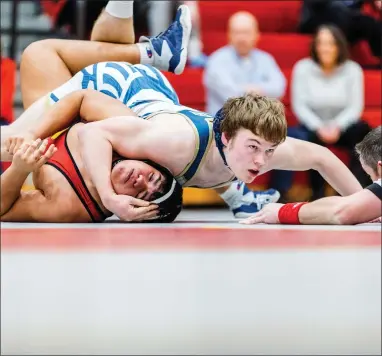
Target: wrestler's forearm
x=334, y=171
x=24, y=123
x=89, y=105
x=12, y=181
x=60, y=116
x=97, y=153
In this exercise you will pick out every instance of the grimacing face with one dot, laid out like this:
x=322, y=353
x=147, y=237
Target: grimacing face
x=137, y=179
x=247, y=154
x=374, y=173
x=326, y=47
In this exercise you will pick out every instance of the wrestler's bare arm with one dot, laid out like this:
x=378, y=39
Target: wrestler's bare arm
x=298, y=155
x=31, y=206
x=87, y=104
x=11, y=182
x=360, y=207
x=25, y=209
x=130, y=137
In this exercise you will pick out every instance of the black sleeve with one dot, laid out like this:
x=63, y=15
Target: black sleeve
x=376, y=189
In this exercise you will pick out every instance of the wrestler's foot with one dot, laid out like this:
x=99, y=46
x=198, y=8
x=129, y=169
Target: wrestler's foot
x=170, y=46
x=249, y=202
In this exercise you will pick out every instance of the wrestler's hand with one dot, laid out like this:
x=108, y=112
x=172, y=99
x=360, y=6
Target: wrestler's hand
x=13, y=143
x=269, y=214
x=131, y=209
x=32, y=155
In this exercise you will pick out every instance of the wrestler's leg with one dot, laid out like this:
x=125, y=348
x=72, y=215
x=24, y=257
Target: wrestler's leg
x=115, y=24
x=55, y=61
x=47, y=64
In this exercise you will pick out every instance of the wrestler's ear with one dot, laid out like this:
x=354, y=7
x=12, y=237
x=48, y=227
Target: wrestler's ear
x=225, y=139
x=379, y=168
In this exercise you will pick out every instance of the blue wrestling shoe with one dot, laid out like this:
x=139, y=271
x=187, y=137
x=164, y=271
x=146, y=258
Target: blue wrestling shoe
x=171, y=46
x=249, y=202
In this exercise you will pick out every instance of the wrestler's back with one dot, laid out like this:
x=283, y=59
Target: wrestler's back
x=56, y=187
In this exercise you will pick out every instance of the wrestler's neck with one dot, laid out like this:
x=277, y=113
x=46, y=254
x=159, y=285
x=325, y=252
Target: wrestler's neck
x=217, y=160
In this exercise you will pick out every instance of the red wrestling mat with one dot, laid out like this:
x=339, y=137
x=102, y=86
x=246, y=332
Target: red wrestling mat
x=182, y=238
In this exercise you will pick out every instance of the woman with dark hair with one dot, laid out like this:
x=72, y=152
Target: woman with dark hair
x=328, y=99
x=349, y=15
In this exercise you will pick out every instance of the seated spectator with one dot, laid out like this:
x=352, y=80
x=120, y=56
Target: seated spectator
x=327, y=93
x=240, y=68
x=348, y=16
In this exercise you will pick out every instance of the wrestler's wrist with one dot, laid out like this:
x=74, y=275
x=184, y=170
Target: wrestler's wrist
x=288, y=213
x=108, y=198
x=20, y=169
x=31, y=134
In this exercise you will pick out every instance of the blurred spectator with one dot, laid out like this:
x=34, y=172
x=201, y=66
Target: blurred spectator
x=7, y=92
x=8, y=85
x=240, y=68
x=328, y=99
x=348, y=16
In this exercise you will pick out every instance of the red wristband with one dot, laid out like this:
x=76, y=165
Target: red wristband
x=288, y=214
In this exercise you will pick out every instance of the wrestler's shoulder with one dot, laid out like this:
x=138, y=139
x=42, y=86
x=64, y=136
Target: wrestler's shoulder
x=376, y=189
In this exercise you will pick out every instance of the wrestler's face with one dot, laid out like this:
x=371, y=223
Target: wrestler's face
x=247, y=154
x=138, y=179
x=374, y=173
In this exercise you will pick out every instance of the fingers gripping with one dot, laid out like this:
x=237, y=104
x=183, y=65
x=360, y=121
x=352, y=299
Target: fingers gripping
x=48, y=154
x=143, y=213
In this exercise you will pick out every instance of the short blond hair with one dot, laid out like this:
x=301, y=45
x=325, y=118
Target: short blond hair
x=261, y=115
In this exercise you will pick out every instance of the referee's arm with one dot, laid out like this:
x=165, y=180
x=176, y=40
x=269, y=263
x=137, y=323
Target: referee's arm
x=360, y=207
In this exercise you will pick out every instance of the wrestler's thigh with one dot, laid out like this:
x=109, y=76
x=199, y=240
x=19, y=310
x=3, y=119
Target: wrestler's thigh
x=42, y=70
